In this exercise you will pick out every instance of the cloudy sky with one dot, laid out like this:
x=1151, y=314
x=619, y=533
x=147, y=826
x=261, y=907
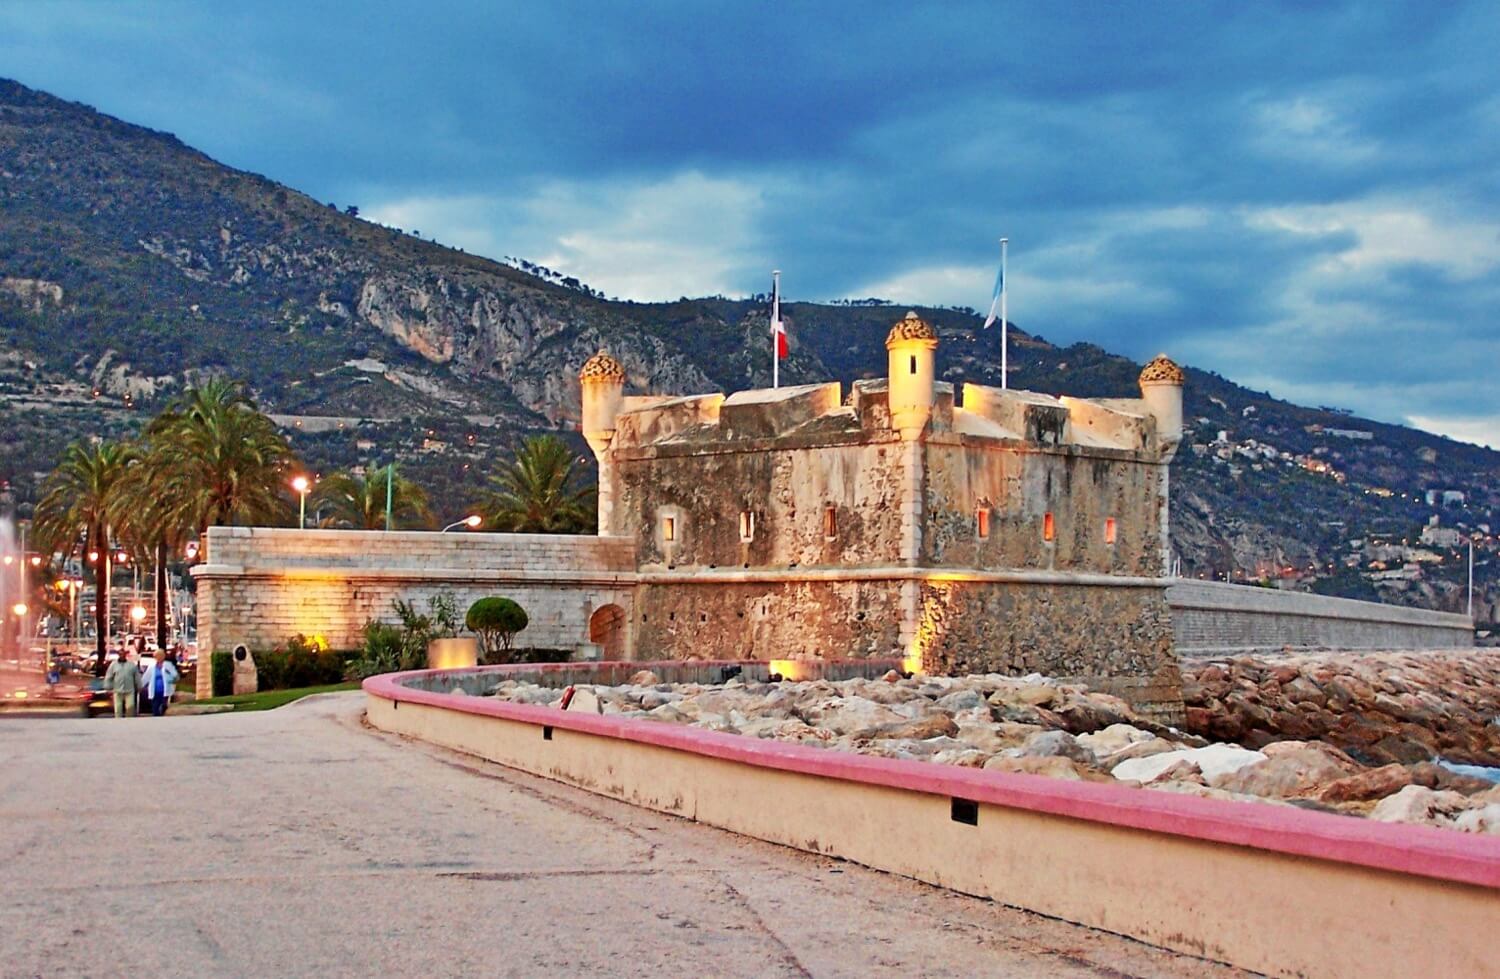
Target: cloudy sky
x=1305, y=198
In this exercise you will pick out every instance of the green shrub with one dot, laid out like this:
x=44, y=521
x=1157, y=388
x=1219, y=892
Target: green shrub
x=221, y=676
x=496, y=621
x=298, y=662
x=392, y=648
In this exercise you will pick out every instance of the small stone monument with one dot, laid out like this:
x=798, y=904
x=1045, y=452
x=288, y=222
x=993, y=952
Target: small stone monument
x=246, y=679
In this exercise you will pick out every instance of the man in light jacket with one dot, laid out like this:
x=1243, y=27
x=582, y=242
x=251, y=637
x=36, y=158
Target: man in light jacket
x=159, y=683
x=124, y=678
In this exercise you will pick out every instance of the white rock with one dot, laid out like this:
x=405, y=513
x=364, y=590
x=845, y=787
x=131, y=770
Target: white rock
x=1419, y=804
x=1212, y=761
x=1483, y=820
x=1114, y=738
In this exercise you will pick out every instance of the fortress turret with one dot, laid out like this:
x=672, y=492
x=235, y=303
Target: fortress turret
x=1161, y=389
x=603, y=382
x=912, y=349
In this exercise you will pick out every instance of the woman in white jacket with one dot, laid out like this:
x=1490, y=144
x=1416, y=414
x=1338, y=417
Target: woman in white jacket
x=159, y=683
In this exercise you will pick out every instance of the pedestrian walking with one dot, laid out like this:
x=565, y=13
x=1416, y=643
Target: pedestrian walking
x=124, y=678
x=159, y=683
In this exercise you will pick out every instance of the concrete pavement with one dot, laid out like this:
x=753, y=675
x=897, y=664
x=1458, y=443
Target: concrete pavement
x=299, y=842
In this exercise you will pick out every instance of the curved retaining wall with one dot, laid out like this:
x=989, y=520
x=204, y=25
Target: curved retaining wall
x=1275, y=889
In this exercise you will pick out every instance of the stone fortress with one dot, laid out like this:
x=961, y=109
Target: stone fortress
x=971, y=531
x=1011, y=532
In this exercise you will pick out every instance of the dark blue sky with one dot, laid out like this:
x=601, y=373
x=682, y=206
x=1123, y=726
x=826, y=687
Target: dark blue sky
x=1302, y=197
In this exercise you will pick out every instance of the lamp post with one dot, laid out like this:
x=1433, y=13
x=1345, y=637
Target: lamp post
x=1471, y=577
x=300, y=484
x=472, y=521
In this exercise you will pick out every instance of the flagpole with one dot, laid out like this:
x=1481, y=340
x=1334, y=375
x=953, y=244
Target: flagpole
x=1004, y=321
x=775, y=319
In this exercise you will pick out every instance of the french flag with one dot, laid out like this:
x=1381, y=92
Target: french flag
x=778, y=328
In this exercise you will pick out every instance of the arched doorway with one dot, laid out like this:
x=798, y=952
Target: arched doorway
x=607, y=628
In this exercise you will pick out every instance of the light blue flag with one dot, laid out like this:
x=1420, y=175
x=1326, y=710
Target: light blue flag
x=995, y=299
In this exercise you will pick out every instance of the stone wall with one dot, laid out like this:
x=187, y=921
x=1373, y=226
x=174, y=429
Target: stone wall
x=260, y=586
x=1114, y=634
x=1082, y=487
x=755, y=616
x=1211, y=617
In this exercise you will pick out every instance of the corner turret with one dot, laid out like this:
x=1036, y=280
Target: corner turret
x=603, y=382
x=1161, y=388
x=912, y=349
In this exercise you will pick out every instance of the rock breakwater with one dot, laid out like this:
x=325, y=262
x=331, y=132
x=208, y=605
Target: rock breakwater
x=1034, y=725
x=1379, y=708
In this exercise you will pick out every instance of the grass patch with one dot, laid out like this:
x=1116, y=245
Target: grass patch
x=270, y=699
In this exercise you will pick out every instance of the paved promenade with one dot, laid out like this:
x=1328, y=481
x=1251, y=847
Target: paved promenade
x=298, y=842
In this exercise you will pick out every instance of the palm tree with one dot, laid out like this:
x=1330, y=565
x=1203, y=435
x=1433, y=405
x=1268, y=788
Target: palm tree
x=84, y=494
x=152, y=519
x=218, y=459
x=536, y=492
x=358, y=502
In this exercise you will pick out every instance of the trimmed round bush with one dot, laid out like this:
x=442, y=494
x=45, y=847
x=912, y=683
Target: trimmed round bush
x=496, y=621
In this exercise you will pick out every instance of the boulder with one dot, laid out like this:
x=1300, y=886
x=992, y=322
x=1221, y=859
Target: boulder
x=1485, y=819
x=1421, y=805
x=1214, y=761
x=1049, y=744
x=1142, y=749
x=932, y=726
x=1363, y=786
x=1052, y=766
x=1288, y=772
x=1114, y=738
x=643, y=678
x=960, y=700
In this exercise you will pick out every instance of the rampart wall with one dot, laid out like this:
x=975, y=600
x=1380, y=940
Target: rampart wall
x=259, y=586
x=1211, y=617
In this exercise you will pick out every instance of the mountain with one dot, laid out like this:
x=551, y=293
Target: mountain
x=131, y=264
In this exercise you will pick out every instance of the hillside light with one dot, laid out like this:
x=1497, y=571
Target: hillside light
x=301, y=485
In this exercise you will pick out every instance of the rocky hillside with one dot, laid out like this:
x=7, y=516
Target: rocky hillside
x=131, y=264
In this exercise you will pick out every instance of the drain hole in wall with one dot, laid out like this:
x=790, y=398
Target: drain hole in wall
x=966, y=812
x=546, y=733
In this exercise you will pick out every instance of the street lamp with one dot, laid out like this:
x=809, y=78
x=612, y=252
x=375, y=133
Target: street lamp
x=20, y=609
x=301, y=485
x=138, y=614
x=471, y=521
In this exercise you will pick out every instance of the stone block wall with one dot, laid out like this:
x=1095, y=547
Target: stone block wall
x=1115, y=637
x=260, y=586
x=718, y=617
x=1211, y=617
